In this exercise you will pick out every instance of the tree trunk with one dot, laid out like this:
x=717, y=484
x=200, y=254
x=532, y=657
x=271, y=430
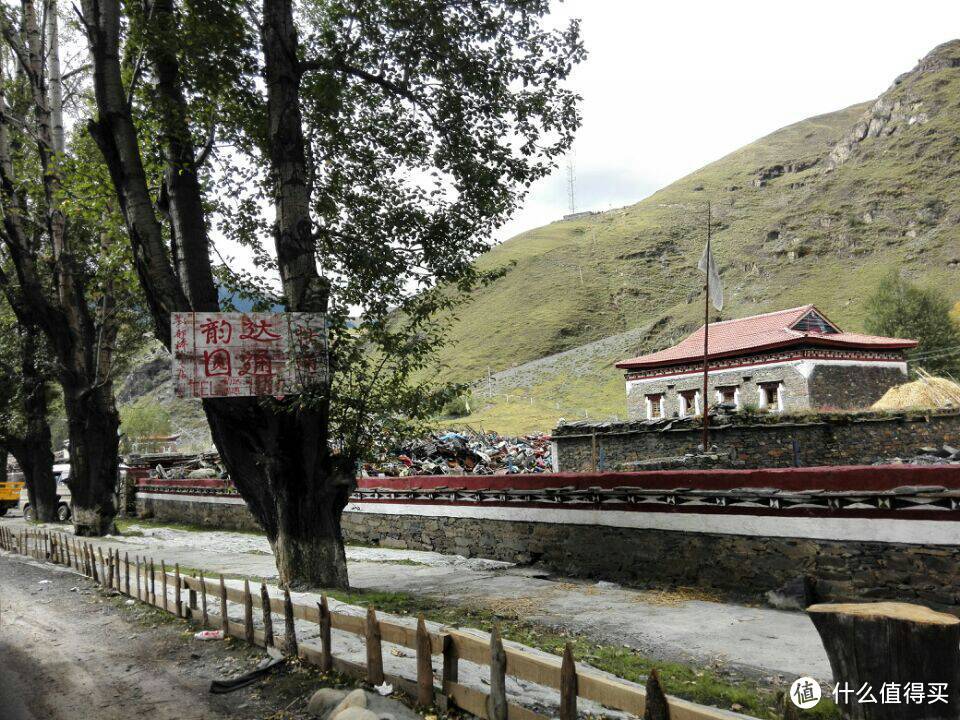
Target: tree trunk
x=36, y=455
x=36, y=461
x=93, y=424
x=873, y=644
x=295, y=488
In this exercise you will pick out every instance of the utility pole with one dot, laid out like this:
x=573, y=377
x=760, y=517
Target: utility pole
x=706, y=338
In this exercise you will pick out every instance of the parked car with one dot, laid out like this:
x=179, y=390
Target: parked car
x=61, y=473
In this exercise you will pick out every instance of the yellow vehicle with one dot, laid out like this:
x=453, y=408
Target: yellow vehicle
x=10, y=491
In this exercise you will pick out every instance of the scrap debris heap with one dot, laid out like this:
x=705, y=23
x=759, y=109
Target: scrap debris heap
x=944, y=455
x=454, y=453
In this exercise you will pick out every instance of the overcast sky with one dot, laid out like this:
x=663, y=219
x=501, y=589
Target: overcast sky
x=669, y=87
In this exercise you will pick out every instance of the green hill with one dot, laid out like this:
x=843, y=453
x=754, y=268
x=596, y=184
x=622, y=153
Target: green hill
x=815, y=212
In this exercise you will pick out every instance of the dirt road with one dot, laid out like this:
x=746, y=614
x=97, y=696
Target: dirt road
x=69, y=652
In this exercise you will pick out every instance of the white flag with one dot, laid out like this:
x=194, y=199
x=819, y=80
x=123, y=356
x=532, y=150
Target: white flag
x=708, y=265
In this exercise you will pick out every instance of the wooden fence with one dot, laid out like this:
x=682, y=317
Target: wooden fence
x=150, y=583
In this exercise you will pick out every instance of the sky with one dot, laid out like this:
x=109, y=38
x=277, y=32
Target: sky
x=669, y=87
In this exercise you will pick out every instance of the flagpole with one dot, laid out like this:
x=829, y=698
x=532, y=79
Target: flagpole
x=706, y=336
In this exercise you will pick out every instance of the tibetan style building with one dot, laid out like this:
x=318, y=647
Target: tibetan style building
x=782, y=361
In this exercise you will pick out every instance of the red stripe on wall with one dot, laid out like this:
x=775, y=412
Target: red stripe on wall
x=850, y=477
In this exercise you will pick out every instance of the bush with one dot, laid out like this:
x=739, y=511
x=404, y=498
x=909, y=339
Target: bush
x=458, y=407
x=899, y=308
x=143, y=418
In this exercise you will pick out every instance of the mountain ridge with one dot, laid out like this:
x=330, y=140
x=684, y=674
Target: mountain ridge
x=815, y=212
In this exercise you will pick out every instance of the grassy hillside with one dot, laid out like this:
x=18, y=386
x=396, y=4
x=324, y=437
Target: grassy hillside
x=815, y=212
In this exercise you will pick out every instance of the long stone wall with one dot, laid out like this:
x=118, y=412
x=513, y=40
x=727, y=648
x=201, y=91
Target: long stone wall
x=859, y=532
x=842, y=439
x=744, y=566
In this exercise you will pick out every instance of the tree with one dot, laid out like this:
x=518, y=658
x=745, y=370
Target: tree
x=67, y=277
x=25, y=374
x=899, y=308
x=142, y=419
x=390, y=139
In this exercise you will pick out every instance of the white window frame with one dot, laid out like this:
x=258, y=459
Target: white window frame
x=764, y=403
x=736, y=395
x=685, y=408
x=661, y=405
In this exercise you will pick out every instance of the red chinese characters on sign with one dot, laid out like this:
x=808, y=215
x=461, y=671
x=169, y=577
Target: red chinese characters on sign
x=244, y=354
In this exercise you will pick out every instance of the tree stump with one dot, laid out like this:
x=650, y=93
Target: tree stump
x=871, y=645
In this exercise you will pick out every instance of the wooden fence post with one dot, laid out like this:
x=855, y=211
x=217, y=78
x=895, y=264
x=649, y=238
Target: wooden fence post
x=93, y=562
x=192, y=595
x=657, y=707
x=178, y=592
x=451, y=663
x=497, y=701
x=126, y=573
x=267, y=616
x=69, y=559
x=153, y=583
x=424, y=665
x=139, y=592
x=568, y=685
x=326, y=651
x=374, y=649
x=289, y=628
x=163, y=581
x=224, y=618
x=204, y=616
x=104, y=575
x=116, y=562
x=247, y=613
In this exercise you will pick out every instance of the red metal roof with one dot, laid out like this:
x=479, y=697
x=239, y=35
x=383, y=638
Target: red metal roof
x=761, y=332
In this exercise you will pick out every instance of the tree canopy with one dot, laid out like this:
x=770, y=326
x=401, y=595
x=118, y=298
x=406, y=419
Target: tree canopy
x=900, y=308
x=364, y=152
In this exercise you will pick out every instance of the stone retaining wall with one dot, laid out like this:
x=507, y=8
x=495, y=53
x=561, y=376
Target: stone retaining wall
x=888, y=532
x=203, y=512
x=740, y=565
x=854, y=439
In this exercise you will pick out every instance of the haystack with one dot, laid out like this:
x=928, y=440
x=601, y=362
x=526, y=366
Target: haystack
x=926, y=391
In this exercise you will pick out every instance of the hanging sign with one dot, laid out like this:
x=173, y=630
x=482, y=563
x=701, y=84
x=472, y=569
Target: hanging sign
x=232, y=354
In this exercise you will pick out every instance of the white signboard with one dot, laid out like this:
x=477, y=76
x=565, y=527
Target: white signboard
x=242, y=354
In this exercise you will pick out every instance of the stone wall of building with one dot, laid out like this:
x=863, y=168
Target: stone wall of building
x=748, y=380
x=841, y=439
x=741, y=565
x=809, y=382
x=845, y=387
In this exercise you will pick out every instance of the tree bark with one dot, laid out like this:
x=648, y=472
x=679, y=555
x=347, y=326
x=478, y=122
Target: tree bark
x=93, y=424
x=870, y=644
x=58, y=304
x=294, y=487
x=277, y=458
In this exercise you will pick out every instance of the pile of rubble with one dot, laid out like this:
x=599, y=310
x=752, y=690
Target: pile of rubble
x=455, y=453
x=944, y=455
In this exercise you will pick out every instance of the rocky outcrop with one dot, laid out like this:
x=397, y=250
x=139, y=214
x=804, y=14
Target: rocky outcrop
x=899, y=107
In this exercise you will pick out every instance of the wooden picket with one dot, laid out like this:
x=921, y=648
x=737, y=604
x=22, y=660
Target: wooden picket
x=453, y=645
